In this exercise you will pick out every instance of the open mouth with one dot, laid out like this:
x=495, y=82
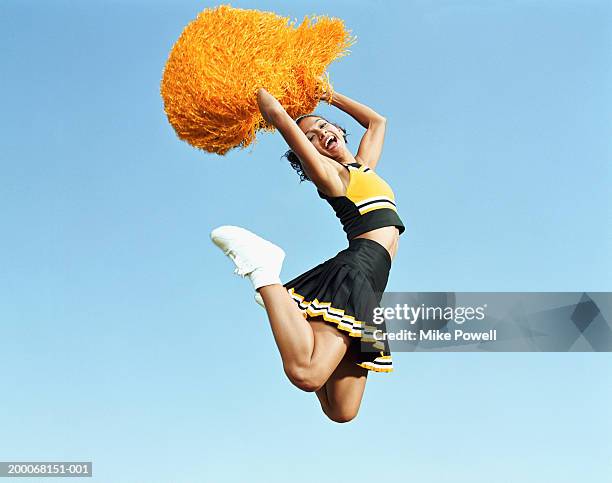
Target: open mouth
x=331, y=142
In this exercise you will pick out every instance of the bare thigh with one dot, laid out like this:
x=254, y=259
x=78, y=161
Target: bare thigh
x=341, y=395
x=330, y=348
x=310, y=348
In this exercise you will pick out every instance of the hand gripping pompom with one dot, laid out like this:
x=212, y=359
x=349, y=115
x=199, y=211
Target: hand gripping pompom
x=226, y=54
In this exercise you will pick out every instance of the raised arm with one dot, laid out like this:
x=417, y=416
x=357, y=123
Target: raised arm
x=321, y=173
x=370, y=147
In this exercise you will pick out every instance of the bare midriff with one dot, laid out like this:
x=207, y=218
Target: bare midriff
x=387, y=236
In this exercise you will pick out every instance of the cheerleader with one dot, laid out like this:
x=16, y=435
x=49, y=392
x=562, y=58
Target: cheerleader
x=322, y=320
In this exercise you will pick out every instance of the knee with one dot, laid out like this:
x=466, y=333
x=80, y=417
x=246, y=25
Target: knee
x=342, y=415
x=304, y=378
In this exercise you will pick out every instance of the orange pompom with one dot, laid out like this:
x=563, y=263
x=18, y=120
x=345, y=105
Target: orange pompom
x=226, y=54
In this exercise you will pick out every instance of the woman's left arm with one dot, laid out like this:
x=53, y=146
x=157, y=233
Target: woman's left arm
x=371, y=145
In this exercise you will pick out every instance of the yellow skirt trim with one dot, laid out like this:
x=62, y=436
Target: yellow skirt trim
x=370, y=367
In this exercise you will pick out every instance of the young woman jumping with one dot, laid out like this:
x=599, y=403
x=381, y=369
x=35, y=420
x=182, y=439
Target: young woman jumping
x=322, y=320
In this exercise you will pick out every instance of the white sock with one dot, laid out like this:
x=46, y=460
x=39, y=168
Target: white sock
x=260, y=277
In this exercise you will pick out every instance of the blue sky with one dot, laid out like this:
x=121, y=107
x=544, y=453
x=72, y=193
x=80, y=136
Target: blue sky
x=125, y=339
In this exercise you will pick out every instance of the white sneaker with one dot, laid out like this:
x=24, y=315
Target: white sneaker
x=254, y=257
x=259, y=299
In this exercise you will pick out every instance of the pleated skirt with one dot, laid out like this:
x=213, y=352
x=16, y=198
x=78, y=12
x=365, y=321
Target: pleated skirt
x=345, y=291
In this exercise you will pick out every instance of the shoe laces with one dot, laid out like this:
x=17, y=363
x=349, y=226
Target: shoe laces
x=242, y=268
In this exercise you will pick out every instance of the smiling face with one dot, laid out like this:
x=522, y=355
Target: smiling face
x=326, y=138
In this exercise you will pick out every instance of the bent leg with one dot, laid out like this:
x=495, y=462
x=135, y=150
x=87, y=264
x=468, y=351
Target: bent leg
x=341, y=395
x=309, y=354
x=310, y=350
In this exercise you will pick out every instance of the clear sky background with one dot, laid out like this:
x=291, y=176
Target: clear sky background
x=125, y=339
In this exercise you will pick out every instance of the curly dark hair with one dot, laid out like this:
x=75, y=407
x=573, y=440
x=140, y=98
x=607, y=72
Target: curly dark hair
x=294, y=161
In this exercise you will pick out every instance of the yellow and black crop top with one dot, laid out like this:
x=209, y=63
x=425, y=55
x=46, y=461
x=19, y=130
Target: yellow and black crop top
x=369, y=203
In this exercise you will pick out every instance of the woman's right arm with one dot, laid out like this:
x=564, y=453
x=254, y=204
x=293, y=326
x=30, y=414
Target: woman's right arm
x=322, y=174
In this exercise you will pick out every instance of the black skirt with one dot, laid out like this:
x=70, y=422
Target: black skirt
x=345, y=290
